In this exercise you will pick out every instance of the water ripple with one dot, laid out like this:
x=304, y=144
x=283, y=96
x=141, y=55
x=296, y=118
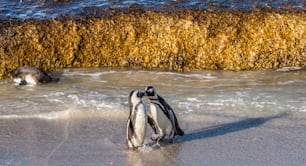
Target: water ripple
x=24, y=9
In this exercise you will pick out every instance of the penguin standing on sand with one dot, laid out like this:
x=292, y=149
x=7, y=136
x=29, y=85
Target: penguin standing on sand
x=161, y=117
x=31, y=75
x=137, y=121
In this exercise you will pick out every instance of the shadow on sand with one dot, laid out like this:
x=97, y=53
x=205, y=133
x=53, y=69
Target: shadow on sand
x=226, y=128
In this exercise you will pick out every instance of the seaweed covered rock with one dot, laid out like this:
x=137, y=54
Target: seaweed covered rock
x=181, y=40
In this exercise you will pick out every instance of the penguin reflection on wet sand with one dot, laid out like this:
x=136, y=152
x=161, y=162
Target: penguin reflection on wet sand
x=161, y=117
x=31, y=75
x=137, y=121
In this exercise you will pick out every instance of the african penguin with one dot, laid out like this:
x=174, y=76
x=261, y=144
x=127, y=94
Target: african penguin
x=161, y=117
x=137, y=121
x=31, y=75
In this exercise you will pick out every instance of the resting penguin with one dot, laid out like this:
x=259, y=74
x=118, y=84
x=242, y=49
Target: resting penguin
x=31, y=75
x=161, y=117
x=137, y=121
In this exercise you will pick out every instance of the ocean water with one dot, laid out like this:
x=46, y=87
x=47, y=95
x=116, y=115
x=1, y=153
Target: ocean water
x=23, y=9
x=203, y=92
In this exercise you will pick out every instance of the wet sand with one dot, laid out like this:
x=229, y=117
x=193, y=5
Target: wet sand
x=210, y=139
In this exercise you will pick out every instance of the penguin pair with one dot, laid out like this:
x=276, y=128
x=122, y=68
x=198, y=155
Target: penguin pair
x=31, y=75
x=161, y=118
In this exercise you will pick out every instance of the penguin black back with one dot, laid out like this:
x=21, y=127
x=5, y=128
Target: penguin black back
x=168, y=111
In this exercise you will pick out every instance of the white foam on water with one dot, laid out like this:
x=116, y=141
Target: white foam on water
x=285, y=82
x=70, y=113
x=94, y=103
x=92, y=74
x=48, y=116
x=145, y=148
x=55, y=94
x=302, y=109
x=240, y=102
x=187, y=75
x=215, y=104
x=192, y=99
x=287, y=69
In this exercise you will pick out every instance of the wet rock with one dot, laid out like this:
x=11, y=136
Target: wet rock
x=180, y=40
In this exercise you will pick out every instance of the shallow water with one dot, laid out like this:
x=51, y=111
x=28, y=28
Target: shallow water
x=23, y=9
x=102, y=90
x=81, y=119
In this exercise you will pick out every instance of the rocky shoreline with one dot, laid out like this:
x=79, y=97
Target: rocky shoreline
x=183, y=40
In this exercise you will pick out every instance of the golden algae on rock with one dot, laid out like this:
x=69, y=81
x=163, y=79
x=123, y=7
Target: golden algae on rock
x=179, y=40
x=47, y=44
x=274, y=37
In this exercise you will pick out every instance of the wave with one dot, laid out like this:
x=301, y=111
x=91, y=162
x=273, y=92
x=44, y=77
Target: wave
x=70, y=113
x=47, y=116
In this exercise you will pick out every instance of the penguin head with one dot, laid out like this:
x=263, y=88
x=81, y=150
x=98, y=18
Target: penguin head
x=23, y=77
x=150, y=91
x=17, y=77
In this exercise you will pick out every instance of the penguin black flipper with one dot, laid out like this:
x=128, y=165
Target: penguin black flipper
x=168, y=110
x=130, y=123
x=46, y=78
x=152, y=123
x=130, y=128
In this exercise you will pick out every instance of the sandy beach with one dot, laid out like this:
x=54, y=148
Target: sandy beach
x=95, y=139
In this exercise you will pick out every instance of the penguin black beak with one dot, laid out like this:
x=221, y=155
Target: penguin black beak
x=141, y=94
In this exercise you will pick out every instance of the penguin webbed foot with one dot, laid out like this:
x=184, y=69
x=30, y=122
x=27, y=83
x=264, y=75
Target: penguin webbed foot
x=156, y=145
x=172, y=140
x=165, y=139
x=169, y=140
x=157, y=137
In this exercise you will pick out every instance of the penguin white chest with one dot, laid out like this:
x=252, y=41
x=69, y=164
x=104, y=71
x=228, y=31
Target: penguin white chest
x=17, y=80
x=140, y=120
x=30, y=80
